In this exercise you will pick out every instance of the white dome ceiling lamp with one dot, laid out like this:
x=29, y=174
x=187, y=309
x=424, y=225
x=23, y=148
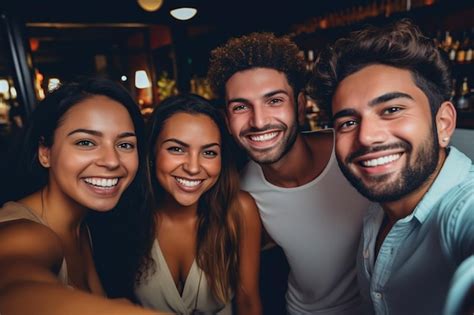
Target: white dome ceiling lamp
x=150, y=5
x=183, y=13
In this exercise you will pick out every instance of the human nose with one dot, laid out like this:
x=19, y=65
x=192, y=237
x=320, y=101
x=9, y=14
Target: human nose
x=191, y=165
x=371, y=131
x=109, y=157
x=259, y=117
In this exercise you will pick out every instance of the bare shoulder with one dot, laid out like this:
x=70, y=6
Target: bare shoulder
x=29, y=240
x=248, y=206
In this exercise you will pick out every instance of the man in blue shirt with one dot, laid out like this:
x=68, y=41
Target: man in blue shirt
x=388, y=91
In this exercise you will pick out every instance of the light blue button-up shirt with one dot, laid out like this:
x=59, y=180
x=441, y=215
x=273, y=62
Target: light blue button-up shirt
x=420, y=254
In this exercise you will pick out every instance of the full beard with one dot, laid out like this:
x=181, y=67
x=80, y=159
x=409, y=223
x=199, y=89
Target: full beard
x=414, y=175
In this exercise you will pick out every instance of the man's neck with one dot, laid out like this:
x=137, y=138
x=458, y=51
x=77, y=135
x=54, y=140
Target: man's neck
x=301, y=164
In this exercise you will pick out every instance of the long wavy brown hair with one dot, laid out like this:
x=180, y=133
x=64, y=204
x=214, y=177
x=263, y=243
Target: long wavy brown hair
x=217, y=252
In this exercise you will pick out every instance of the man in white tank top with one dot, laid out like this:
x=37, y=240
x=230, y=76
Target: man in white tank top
x=306, y=205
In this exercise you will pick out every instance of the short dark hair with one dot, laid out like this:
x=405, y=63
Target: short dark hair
x=257, y=50
x=401, y=45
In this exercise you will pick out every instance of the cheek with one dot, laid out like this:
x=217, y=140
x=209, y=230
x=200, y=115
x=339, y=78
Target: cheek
x=131, y=163
x=65, y=161
x=286, y=114
x=408, y=128
x=236, y=123
x=214, y=167
x=342, y=146
x=165, y=164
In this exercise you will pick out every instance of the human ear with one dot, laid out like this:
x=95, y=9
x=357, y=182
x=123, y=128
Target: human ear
x=301, y=107
x=445, y=123
x=44, y=154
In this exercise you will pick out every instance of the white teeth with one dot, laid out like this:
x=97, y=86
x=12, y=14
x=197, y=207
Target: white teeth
x=188, y=183
x=102, y=182
x=264, y=137
x=381, y=160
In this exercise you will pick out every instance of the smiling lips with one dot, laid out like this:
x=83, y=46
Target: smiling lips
x=263, y=139
x=380, y=161
x=188, y=184
x=102, y=182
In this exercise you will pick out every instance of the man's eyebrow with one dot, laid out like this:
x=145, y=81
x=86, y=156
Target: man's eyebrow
x=374, y=102
x=344, y=113
x=388, y=97
x=266, y=95
x=272, y=93
x=238, y=100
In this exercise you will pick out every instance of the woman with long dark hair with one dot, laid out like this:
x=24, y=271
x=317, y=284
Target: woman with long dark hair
x=80, y=156
x=205, y=241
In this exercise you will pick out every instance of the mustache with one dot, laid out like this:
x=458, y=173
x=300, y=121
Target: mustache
x=268, y=127
x=366, y=150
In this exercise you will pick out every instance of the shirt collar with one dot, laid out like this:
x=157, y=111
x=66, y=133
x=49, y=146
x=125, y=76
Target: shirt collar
x=455, y=168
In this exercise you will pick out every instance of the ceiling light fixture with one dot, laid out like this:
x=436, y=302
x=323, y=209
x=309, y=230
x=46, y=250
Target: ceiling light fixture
x=141, y=80
x=150, y=5
x=183, y=14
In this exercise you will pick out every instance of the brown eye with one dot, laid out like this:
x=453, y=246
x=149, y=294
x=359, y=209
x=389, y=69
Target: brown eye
x=85, y=143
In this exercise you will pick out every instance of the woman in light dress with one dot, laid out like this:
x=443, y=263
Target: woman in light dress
x=205, y=237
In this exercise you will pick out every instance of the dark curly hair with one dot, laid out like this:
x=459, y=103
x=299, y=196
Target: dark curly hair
x=257, y=50
x=400, y=45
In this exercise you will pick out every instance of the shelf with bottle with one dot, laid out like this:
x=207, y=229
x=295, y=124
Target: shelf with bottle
x=459, y=47
x=463, y=100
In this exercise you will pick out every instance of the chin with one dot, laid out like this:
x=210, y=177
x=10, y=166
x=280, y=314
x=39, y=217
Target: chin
x=103, y=207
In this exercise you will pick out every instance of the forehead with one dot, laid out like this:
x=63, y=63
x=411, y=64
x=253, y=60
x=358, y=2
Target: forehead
x=256, y=82
x=190, y=128
x=97, y=112
x=373, y=81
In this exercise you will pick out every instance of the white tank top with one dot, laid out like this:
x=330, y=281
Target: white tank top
x=318, y=225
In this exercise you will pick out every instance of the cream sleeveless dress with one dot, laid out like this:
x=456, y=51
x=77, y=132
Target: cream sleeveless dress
x=15, y=211
x=158, y=291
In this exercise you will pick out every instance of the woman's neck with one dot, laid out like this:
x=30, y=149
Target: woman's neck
x=59, y=212
x=171, y=209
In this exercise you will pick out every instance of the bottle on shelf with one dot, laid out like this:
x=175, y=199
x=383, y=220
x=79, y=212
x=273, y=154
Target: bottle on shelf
x=310, y=60
x=462, y=101
x=470, y=47
x=463, y=47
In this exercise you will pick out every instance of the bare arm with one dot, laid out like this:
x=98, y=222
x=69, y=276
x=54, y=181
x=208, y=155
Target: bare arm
x=248, y=298
x=30, y=258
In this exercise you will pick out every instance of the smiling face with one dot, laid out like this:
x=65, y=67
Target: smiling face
x=188, y=157
x=261, y=113
x=386, y=143
x=93, y=157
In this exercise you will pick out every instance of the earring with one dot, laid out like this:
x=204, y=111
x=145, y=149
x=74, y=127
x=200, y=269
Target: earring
x=445, y=139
